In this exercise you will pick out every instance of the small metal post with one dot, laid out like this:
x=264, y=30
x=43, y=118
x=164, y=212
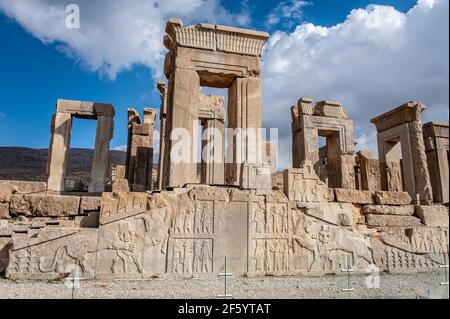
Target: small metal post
x=225, y=274
x=348, y=271
x=445, y=267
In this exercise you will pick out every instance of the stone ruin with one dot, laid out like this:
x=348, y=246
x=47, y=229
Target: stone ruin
x=332, y=209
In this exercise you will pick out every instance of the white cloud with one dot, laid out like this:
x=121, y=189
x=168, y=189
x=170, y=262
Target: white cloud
x=122, y=148
x=287, y=12
x=114, y=35
x=377, y=59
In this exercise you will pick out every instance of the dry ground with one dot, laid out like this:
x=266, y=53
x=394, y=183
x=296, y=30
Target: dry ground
x=391, y=286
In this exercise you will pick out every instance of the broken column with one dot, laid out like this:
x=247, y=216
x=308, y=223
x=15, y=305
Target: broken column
x=140, y=150
x=369, y=169
x=436, y=137
x=60, y=142
x=402, y=128
x=163, y=139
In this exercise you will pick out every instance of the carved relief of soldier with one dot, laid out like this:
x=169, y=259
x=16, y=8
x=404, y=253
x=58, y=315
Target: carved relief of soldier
x=192, y=256
x=194, y=218
x=277, y=218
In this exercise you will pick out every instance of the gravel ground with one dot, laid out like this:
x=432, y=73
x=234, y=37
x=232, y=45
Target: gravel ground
x=391, y=286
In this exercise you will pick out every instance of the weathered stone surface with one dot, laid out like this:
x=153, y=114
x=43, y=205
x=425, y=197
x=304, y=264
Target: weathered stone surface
x=329, y=120
x=434, y=215
x=90, y=221
x=358, y=215
x=61, y=126
x=436, y=138
x=53, y=252
x=334, y=213
x=405, y=210
x=89, y=204
x=392, y=198
x=45, y=205
x=5, y=228
x=120, y=185
x=6, y=191
x=392, y=221
x=354, y=196
x=303, y=184
x=4, y=253
x=26, y=187
x=4, y=211
x=402, y=126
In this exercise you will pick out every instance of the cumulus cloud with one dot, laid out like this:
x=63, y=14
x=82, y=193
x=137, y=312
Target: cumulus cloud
x=288, y=13
x=114, y=35
x=377, y=59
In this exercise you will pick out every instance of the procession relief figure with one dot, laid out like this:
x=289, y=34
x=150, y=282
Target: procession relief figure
x=394, y=177
x=276, y=219
x=188, y=221
x=206, y=257
x=186, y=256
x=298, y=188
x=272, y=249
x=206, y=220
x=259, y=217
x=198, y=217
x=259, y=256
x=122, y=202
x=179, y=223
x=285, y=219
x=197, y=262
x=125, y=246
x=177, y=257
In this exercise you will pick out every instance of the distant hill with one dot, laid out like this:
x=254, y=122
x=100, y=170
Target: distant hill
x=20, y=163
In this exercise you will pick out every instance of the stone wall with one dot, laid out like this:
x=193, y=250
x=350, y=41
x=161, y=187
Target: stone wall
x=188, y=232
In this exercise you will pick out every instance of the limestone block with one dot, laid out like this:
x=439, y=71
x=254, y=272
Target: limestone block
x=6, y=191
x=6, y=228
x=392, y=198
x=434, y=216
x=353, y=196
x=26, y=187
x=303, y=184
x=404, y=210
x=52, y=252
x=4, y=254
x=90, y=221
x=90, y=203
x=333, y=213
x=4, y=211
x=45, y=205
x=392, y=221
x=120, y=185
x=358, y=215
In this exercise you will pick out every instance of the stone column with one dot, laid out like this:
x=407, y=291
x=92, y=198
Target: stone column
x=436, y=137
x=162, y=137
x=244, y=114
x=213, y=172
x=130, y=161
x=182, y=117
x=101, y=166
x=305, y=135
x=419, y=161
x=59, y=151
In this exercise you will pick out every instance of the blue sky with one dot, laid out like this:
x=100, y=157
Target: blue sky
x=38, y=65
